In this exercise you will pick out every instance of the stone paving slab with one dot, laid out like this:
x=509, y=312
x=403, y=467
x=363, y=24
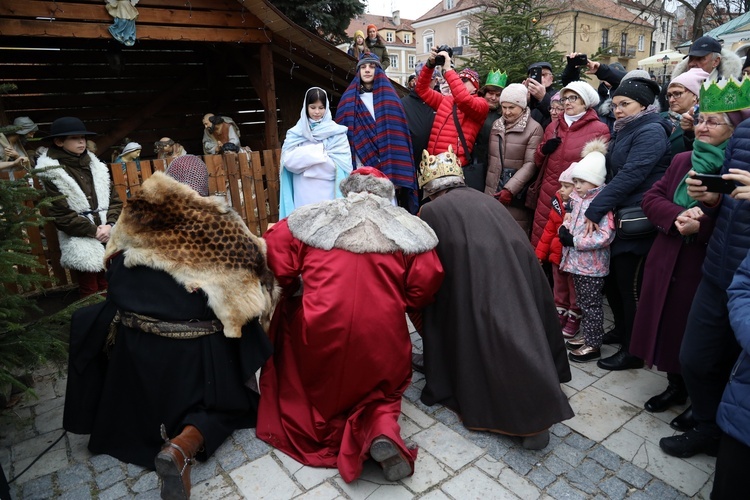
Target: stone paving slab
x=608, y=450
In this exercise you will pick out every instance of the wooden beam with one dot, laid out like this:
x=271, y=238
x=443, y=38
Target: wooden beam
x=23, y=28
x=269, y=90
x=146, y=14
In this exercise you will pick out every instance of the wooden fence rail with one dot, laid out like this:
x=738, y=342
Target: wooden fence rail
x=249, y=182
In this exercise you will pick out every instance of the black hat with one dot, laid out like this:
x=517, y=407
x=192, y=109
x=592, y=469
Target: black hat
x=411, y=77
x=66, y=126
x=541, y=64
x=642, y=90
x=703, y=46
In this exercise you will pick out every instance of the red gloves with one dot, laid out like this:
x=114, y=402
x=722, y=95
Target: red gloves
x=503, y=196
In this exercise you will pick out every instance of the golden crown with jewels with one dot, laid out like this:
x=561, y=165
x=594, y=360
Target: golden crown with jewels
x=725, y=95
x=436, y=166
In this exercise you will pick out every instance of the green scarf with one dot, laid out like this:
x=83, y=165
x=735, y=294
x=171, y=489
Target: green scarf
x=706, y=159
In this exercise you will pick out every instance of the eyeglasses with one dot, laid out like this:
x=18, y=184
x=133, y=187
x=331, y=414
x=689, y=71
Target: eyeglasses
x=622, y=104
x=570, y=98
x=709, y=124
x=556, y=109
x=546, y=73
x=675, y=95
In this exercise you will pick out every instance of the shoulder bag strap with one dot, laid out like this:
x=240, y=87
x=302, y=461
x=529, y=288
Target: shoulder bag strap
x=460, y=132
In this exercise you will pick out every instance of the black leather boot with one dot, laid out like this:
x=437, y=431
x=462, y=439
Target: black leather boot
x=684, y=421
x=674, y=395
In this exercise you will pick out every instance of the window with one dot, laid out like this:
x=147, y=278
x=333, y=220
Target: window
x=624, y=45
x=548, y=31
x=407, y=37
x=394, y=62
x=462, y=34
x=663, y=27
x=412, y=62
x=605, y=39
x=449, y=4
x=641, y=42
x=653, y=48
x=389, y=37
x=662, y=47
x=428, y=38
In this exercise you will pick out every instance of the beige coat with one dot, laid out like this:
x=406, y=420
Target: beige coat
x=518, y=145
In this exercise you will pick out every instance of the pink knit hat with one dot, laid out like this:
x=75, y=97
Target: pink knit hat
x=567, y=175
x=691, y=80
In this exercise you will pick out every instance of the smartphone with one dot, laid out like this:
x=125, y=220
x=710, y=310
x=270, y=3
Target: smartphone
x=715, y=183
x=696, y=114
x=536, y=74
x=580, y=60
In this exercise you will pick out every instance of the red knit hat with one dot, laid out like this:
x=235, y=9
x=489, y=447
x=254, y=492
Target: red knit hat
x=369, y=171
x=372, y=26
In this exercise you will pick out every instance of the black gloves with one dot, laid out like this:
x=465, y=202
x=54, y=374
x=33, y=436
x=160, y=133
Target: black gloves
x=551, y=145
x=565, y=237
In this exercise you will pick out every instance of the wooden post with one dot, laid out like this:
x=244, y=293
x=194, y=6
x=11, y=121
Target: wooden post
x=269, y=89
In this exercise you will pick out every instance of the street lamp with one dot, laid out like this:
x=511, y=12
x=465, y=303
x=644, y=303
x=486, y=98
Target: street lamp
x=665, y=60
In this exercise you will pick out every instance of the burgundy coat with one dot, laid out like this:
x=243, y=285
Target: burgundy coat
x=587, y=128
x=671, y=275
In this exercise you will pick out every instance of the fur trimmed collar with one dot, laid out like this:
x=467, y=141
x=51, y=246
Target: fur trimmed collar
x=361, y=223
x=202, y=243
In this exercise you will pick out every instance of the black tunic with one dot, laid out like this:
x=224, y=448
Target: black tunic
x=493, y=348
x=147, y=380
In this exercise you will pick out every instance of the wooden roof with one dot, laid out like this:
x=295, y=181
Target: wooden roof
x=191, y=57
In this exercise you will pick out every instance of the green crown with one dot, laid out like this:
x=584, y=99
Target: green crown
x=725, y=96
x=497, y=79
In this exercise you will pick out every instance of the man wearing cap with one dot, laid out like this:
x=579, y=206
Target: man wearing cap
x=460, y=115
x=491, y=90
x=541, y=93
x=493, y=354
x=349, y=268
x=706, y=53
x=87, y=206
x=13, y=155
x=376, y=45
x=378, y=130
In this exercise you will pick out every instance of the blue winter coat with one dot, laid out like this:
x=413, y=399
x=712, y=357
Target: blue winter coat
x=734, y=410
x=637, y=157
x=730, y=240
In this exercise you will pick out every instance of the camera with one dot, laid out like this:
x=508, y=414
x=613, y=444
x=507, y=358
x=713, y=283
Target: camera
x=440, y=60
x=579, y=60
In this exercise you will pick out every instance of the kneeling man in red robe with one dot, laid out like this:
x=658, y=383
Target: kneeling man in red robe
x=350, y=270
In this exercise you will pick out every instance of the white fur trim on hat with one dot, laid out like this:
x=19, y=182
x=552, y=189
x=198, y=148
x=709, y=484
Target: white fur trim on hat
x=585, y=91
x=131, y=146
x=515, y=93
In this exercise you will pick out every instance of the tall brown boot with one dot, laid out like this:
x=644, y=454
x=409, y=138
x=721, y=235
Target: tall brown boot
x=174, y=461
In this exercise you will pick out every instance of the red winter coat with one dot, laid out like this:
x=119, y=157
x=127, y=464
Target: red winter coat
x=472, y=110
x=587, y=128
x=549, y=247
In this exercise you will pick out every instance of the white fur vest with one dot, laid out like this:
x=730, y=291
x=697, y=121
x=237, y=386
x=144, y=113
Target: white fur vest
x=77, y=252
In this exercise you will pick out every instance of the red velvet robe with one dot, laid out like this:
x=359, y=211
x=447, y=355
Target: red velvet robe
x=342, y=350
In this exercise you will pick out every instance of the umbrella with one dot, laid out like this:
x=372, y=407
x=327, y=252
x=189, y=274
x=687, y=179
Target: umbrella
x=656, y=61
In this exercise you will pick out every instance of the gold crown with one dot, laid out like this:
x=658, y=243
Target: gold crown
x=725, y=96
x=436, y=166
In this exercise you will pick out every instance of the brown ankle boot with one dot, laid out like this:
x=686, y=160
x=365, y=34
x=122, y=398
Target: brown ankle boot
x=174, y=461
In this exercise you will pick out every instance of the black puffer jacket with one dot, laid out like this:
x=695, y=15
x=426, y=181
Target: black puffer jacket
x=730, y=240
x=637, y=157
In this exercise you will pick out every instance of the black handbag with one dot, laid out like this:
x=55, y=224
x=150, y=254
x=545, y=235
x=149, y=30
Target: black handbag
x=475, y=172
x=632, y=224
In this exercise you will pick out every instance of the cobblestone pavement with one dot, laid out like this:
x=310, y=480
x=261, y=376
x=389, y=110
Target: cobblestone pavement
x=608, y=450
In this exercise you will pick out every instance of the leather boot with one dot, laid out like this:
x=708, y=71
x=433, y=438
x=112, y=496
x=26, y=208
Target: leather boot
x=386, y=453
x=674, y=395
x=174, y=460
x=684, y=421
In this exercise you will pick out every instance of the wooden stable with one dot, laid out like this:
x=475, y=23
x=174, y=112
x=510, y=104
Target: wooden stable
x=248, y=182
x=240, y=58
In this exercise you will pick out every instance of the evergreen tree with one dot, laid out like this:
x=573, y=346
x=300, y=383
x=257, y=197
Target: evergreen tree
x=327, y=18
x=511, y=36
x=24, y=342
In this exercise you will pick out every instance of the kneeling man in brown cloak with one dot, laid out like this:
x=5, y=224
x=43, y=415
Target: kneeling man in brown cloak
x=493, y=351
